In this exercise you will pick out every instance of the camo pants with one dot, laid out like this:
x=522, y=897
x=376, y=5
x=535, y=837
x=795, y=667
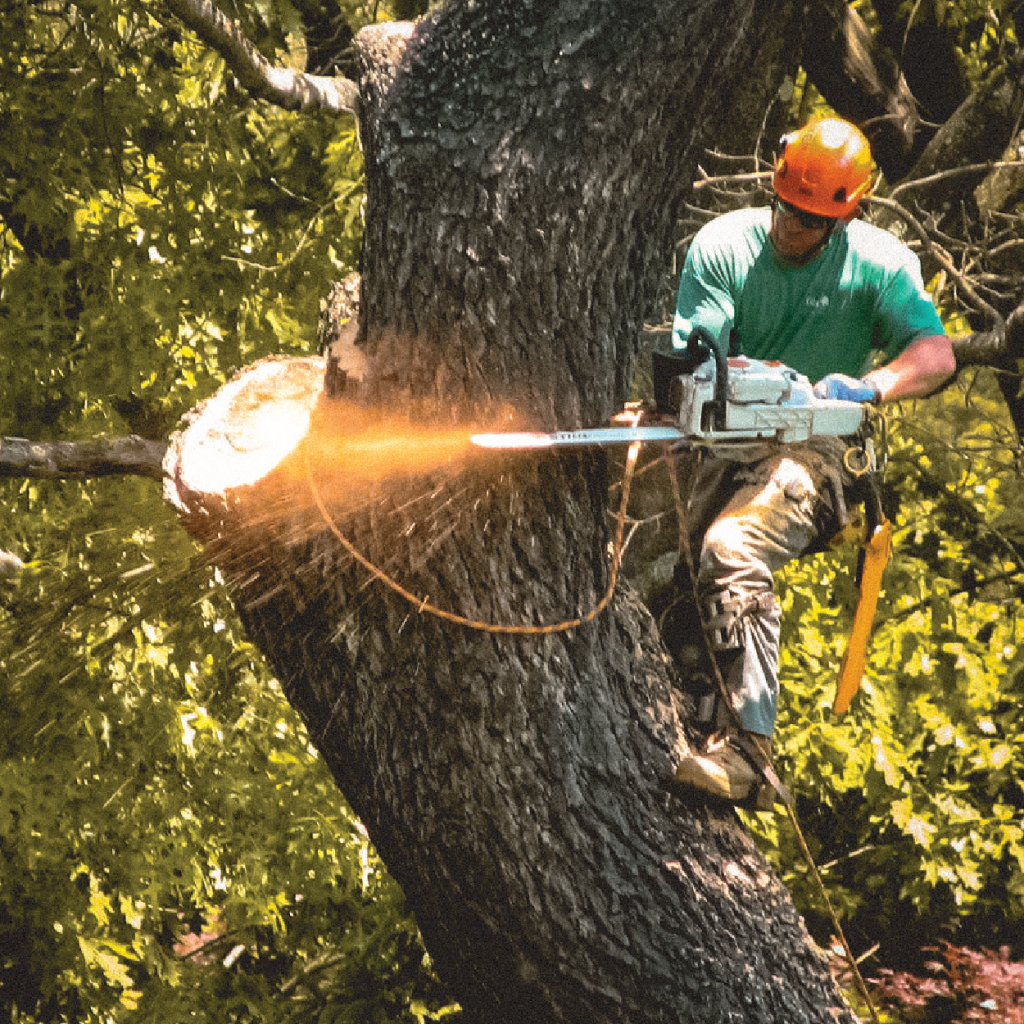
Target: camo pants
x=745, y=521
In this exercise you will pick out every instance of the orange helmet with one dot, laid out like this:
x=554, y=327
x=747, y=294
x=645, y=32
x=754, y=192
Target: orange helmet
x=825, y=168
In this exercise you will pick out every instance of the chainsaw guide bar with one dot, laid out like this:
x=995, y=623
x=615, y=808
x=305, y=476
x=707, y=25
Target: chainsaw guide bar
x=569, y=438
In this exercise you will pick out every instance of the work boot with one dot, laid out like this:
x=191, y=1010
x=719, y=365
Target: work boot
x=727, y=768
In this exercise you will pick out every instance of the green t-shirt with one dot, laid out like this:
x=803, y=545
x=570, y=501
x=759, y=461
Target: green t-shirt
x=862, y=293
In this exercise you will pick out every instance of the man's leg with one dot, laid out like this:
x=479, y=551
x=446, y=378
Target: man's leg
x=679, y=621
x=770, y=519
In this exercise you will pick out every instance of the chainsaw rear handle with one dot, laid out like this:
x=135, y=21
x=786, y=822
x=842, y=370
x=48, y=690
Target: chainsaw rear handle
x=701, y=345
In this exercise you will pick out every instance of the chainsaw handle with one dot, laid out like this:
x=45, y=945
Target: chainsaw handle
x=700, y=346
x=702, y=339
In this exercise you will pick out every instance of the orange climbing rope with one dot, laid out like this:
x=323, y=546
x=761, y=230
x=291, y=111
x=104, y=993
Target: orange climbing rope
x=515, y=629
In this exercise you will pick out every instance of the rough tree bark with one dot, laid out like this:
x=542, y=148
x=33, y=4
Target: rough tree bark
x=524, y=163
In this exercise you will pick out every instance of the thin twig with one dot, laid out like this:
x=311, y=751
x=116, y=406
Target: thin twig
x=751, y=178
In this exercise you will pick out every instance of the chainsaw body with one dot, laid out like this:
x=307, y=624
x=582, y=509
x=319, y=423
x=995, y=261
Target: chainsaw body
x=759, y=401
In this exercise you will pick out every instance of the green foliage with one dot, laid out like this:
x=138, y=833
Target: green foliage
x=912, y=801
x=171, y=847
x=983, y=33
x=162, y=231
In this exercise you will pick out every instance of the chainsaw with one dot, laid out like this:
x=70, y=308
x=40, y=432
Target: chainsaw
x=703, y=397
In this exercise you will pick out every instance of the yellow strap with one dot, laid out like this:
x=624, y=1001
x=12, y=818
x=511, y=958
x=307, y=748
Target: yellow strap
x=851, y=669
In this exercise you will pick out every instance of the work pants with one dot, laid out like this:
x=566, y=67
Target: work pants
x=745, y=521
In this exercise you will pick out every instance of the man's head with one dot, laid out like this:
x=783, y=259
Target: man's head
x=820, y=178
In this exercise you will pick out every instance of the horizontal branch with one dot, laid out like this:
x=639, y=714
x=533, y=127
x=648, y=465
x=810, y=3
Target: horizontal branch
x=1001, y=348
x=750, y=178
x=967, y=170
x=114, y=456
x=283, y=87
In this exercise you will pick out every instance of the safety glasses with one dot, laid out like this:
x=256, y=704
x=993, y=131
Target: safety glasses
x=811, y=221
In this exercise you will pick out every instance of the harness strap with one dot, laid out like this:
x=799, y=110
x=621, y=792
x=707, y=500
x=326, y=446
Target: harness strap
x=725, y=609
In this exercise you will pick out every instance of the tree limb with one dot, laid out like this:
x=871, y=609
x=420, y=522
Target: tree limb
x=51, y=460
x=281, y=86
x=1002, y=347
x=978, y=132
x=966, y=170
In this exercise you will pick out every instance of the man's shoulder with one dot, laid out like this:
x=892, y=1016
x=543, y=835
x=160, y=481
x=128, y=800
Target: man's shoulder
x=877, y=246
x=746, y=228
x=748, y=218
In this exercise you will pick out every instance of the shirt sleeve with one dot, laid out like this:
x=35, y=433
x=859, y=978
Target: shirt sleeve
x=905, y=311
x=704, y=298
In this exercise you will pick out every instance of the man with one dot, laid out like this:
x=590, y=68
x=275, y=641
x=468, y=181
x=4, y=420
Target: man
x=808, y=284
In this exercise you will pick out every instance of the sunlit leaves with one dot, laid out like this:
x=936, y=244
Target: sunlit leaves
x=171, y=214
x=156, y=788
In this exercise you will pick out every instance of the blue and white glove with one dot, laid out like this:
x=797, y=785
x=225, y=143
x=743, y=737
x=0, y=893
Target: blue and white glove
x=849, y=389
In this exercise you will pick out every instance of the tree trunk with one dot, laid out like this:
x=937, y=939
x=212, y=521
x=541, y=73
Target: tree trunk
x=524, y=163
x=518, y=787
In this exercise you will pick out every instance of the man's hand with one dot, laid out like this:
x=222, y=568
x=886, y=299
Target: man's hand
x=849, y=389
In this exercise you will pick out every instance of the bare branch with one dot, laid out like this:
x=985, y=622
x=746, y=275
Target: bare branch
x=754, y=177
x=115, y=456
x=950, y=173
x=283, y=87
